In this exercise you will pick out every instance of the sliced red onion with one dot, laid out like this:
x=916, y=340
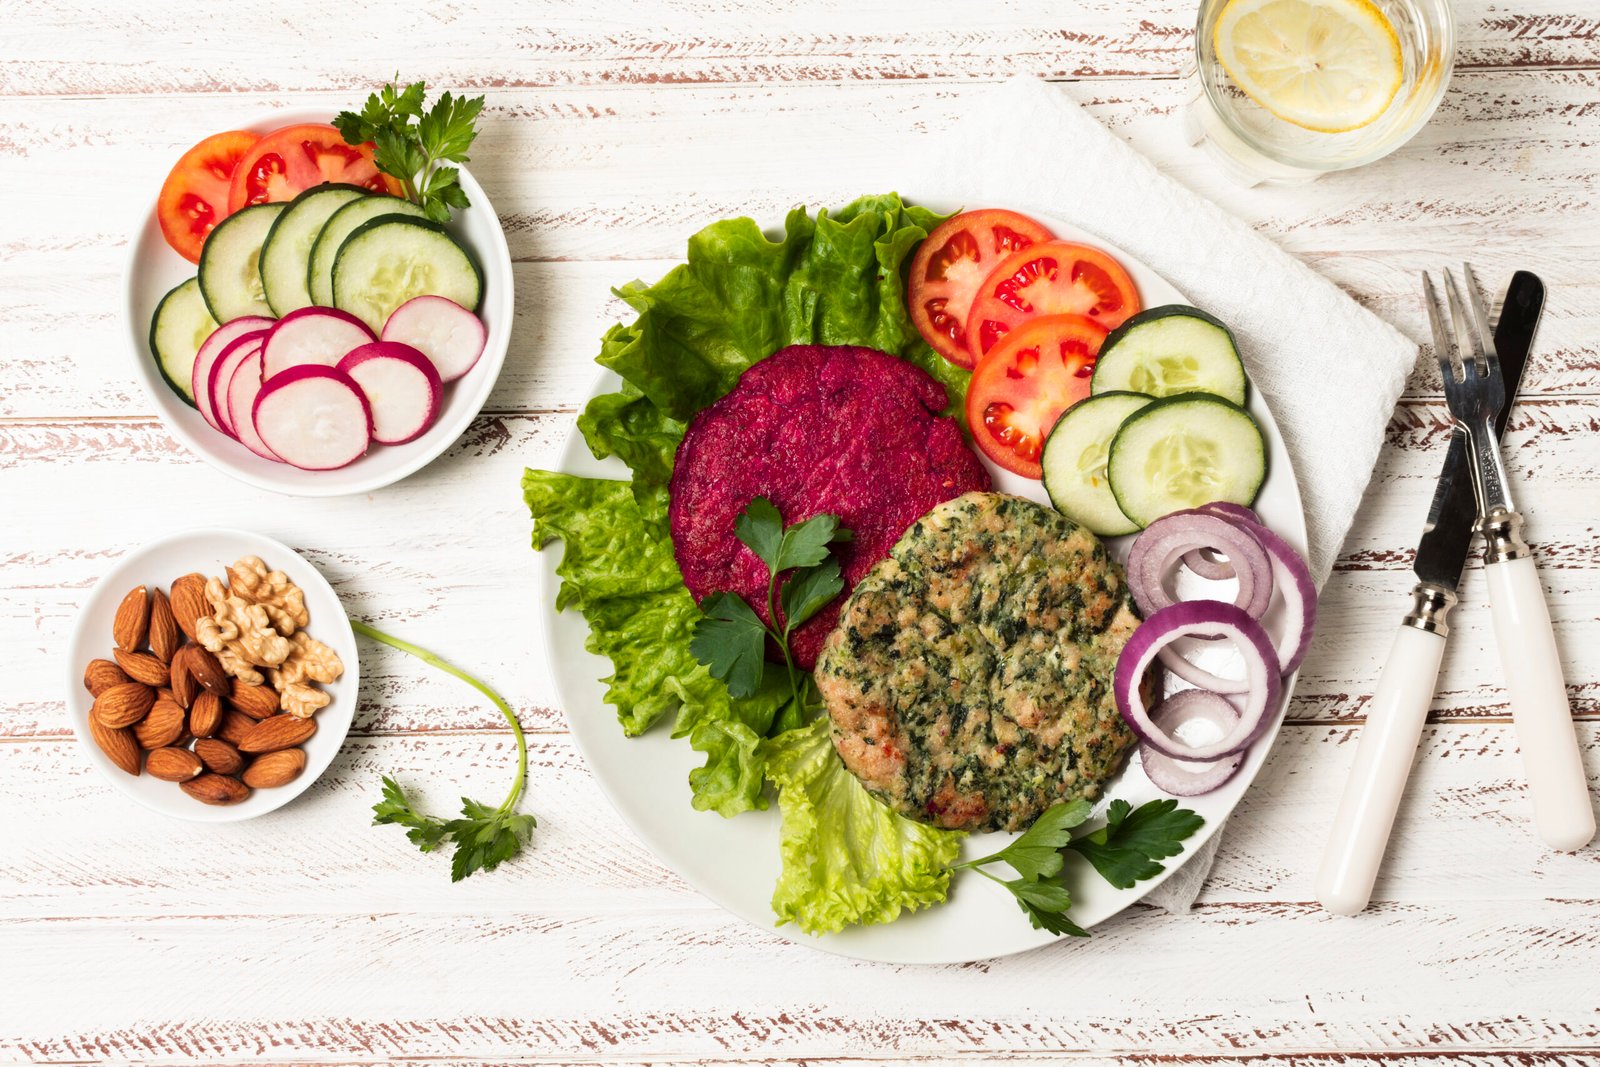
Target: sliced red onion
x=1157, y=550
x=1184, y=778
x=1205, y=561
x=1293, y=581
x=1262, y=683
x=1230, y=511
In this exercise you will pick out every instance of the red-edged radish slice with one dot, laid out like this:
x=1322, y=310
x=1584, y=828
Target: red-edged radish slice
x=242, y=390
x=312, y=417
x=221, y=377
x=210, y=349
x=402, y=388
x=441, y=329
x=312, y=337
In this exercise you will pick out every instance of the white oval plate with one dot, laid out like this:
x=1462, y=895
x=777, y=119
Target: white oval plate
x=211, y=552
x=154, y=268
x=735, y=861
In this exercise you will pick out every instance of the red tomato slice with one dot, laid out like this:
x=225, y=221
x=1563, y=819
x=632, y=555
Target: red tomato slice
x=949, y=269
x=194, y=198
x=1025, y=382
x=288, y=161
x=1055, y=278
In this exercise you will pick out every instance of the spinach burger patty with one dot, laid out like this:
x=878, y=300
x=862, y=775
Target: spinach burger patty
x=969, y=678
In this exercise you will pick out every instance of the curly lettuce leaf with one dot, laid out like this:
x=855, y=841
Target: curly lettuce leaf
x=847, y=859
x=623, y=578
x=832, y=279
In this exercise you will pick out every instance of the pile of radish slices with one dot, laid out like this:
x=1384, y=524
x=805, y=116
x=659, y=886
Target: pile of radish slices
x=315, y=389
x=1216, y=542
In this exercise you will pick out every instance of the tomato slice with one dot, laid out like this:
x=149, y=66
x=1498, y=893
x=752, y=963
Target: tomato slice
x=288, y=161
x=1021, y=387
x=1054, y=278
x=949, y=269
x=194, y=198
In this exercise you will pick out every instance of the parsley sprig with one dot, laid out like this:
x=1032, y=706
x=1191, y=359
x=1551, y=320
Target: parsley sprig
x=483, y=836
x=732, y=637
x=1124, y=851
x=412, y=143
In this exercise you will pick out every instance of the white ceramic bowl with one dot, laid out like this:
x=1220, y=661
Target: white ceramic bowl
x=210, y=552
x=154, y=268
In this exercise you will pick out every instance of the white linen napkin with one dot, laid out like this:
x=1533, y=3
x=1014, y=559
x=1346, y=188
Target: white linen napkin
x=1330, y=370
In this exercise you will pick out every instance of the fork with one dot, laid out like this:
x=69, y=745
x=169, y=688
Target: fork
x=1475, y=392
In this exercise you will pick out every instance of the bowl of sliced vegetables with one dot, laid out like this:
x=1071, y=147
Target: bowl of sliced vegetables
x=309, y=323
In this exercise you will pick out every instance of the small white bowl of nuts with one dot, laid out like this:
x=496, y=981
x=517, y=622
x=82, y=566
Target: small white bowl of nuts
x=212, y=675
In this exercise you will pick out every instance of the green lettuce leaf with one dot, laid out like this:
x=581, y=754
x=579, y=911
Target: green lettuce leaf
x=847, y=858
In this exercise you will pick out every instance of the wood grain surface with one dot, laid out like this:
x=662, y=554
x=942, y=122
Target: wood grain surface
x=614, y=131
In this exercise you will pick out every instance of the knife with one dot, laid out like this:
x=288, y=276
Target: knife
x=1405, y=689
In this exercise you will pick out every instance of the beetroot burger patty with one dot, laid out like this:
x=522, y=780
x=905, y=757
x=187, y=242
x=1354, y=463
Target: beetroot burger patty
x=849, y=431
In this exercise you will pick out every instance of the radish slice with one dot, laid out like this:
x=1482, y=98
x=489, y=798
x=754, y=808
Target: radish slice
x=1186, y=778
x=1263, y=680
x=210, y=349
x=441, y=329
x=401, y=386
x=220, y=377
x=242, y=390
x=315, y=418
x=312, y=337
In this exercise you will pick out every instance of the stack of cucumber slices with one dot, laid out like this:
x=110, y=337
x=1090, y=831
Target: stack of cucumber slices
x=1164, y=427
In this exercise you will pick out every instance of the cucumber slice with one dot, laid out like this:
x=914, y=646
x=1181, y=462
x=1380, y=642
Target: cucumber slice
x=1184, y=451
x=1074, y=461
x=286, y=255
x=179, y=327
x=344, y=222
x=230, y=263
x=388, y=261
x=1170, y=350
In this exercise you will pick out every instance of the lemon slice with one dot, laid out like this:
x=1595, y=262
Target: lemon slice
x=1326, y=65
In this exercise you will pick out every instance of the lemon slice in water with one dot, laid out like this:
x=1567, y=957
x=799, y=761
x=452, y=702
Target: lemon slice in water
x=1326, y=65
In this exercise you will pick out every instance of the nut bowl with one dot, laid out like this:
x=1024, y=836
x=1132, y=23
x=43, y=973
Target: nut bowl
x=210, y=552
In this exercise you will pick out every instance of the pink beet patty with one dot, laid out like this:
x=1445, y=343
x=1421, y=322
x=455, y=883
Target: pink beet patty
x=850, y=431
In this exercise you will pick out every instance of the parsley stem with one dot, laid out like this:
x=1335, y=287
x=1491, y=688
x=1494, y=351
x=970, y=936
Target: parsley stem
x=432, y=660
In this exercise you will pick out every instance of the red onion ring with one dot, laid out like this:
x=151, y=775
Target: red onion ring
x=1292, y=578
x=1263, y=679
x=1157, y=550
x=1178, y=777
x=1205, y=561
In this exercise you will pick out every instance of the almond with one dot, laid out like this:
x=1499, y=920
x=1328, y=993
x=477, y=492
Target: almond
x=164, y=637
x=142, y=667
x=174, y=764
x=189, y=602
x=215, y=789
x=132, y=620
x=278, y=732
x=234, y=726
x=219, y=756
x=122, y=705
x=206, y=715
x=118, y=744
x=162, y=727
x=256, y=701
x=184, y=687
x=275, y=768
x=207, y=671
x=100, y=675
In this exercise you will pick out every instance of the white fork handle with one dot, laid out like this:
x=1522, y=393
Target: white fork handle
x=1378, y=777
x=1562, y=812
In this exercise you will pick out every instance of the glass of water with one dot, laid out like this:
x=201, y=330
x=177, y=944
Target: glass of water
x=1282, y=91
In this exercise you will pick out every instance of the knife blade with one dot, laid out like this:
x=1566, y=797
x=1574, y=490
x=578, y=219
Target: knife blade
x=1453, y=516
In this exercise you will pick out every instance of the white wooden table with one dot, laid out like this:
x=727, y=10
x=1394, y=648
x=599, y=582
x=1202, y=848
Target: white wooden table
x=614, y=130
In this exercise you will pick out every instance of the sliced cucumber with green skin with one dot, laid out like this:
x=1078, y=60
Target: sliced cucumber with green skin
x=286, y=255
x=344, y=222
x=230, y=263
x=388, y=261
x=1170, y=350
x=1075, y=457
x=1184, y=451
x=179, y=327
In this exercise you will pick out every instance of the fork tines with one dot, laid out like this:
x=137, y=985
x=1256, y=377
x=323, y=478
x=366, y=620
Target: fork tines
x=1471, y=359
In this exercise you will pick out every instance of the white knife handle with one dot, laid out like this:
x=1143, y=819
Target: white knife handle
x=1562, y=812
x=1383, y=761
